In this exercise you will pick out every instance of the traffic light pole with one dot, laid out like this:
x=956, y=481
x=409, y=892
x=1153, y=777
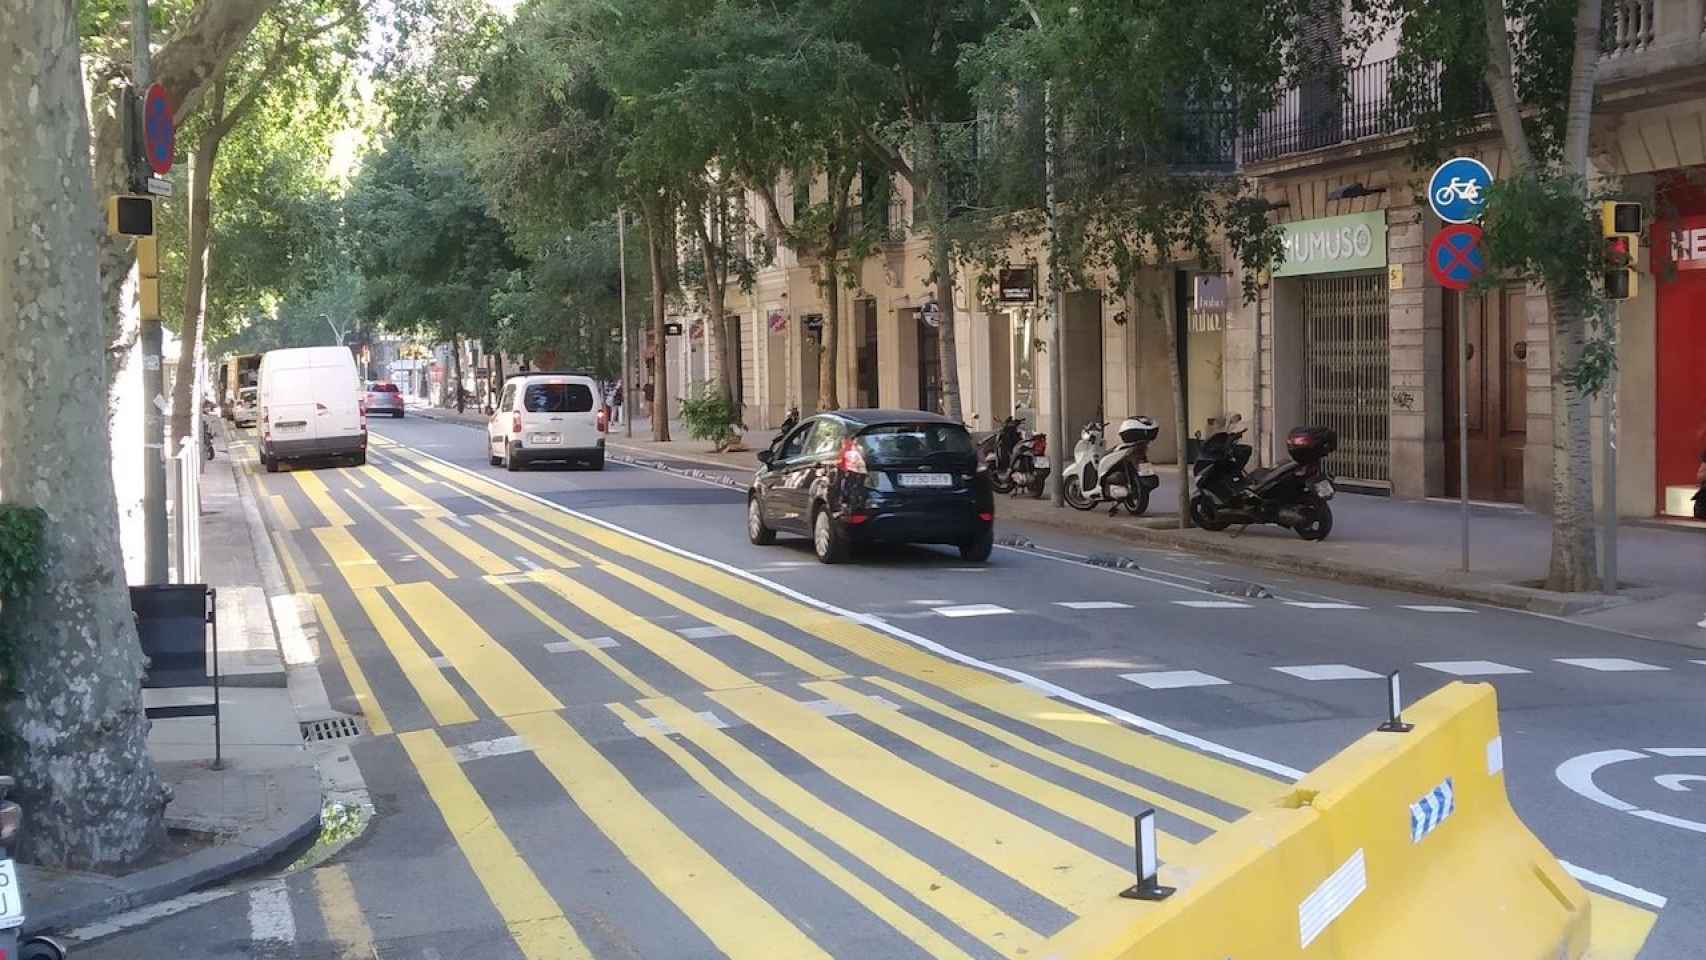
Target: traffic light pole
x=1608, y=510
x=150, y=337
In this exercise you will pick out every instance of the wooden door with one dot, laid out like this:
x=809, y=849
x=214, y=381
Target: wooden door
x=1497, y=371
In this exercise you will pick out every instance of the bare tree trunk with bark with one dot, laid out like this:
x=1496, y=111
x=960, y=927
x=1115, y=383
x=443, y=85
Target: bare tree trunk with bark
x=659, y=246
x=829, y=364
x=457, y=399
x=76, y=736
x=1181, y=425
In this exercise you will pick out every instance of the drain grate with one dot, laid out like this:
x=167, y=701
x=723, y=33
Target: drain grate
x=337, y=728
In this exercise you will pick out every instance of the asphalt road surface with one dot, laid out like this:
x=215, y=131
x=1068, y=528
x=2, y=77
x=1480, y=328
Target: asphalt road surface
x=598, y=722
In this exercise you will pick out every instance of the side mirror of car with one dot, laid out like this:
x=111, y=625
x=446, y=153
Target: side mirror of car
x=766, y=456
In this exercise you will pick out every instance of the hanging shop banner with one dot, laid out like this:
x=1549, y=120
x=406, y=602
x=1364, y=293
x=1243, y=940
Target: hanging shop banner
x=1017, y=285
x=1209, y=306
x=1355, y=241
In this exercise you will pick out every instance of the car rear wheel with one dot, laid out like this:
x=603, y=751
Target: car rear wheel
x=979, y=548
x=756, y=531
x=827, y=542
x=597, y=463
x=270, y=462
x=512, y=463
x=359, y=459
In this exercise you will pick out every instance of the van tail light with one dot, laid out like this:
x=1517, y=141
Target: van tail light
x=603, y=419
x=266, y=424
x=515, y=423
x=852, y=458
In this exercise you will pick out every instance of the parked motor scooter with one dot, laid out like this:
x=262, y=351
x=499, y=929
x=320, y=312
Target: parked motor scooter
x=1293, y=495
x=1015, y=461
x=1122, y=475
x=12, y=895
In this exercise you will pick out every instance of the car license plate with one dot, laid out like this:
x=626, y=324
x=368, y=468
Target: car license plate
x=926, y=480
x=11, y=898
x=1324, y=489
x=291, y=426
x=547, y=438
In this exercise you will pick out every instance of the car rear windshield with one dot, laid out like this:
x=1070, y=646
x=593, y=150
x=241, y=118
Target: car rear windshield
x=557, y=398
x=915, y=442
x=383, y=388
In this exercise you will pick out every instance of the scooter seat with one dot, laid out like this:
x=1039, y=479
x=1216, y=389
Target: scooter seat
x=1268, y=476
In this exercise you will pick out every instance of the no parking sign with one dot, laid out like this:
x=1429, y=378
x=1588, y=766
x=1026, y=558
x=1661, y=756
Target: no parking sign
x=1455, y=257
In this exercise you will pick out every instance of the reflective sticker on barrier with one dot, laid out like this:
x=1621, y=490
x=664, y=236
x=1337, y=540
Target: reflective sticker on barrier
x=1429, y=812
x=1331, y=898
x=1495, y=755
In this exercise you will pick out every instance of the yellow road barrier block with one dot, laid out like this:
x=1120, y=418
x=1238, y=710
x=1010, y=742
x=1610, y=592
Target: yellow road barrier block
x=1402, y=847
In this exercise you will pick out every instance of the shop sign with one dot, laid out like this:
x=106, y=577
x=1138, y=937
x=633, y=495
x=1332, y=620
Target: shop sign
x=1017, y=284
x=1355, y=241
x=672, y=329
x=1208, y=308
x=814, y=325
x=1688, y=244
x=930, y=313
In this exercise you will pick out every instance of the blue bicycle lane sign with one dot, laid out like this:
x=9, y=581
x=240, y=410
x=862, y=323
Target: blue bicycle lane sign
x=1458, y=189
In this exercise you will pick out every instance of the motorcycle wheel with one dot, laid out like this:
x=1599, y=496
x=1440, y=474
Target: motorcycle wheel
x=1074, y=495
x=1000, y=480
x=1038, y=484
x=1137, y=501
x=1204, y=515
x=1319, y=522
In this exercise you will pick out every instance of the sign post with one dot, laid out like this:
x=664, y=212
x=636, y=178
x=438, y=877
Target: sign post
x=1457, y=192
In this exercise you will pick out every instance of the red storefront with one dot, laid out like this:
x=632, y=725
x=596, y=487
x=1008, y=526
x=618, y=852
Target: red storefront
x=1679, y=271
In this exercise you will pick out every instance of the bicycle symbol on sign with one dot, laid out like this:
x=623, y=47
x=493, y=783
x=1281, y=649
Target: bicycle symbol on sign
x=1459, y=189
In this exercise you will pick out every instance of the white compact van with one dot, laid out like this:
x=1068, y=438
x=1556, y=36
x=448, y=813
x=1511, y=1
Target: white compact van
x=548, y=416
x=310, y=406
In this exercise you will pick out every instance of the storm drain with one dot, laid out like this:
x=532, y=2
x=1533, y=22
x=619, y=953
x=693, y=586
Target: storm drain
x=337, y=728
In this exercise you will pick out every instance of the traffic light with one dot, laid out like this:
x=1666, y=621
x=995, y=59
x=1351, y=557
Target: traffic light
x=1620, y=225
x=130, y=216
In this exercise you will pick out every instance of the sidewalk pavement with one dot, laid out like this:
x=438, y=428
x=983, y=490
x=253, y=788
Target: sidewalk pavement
x=1410, y=545
x=265, y=798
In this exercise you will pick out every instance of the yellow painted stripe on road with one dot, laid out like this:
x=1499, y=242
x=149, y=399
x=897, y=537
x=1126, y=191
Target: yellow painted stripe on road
x=403, y=493
x=1017, y=780
x=535, y=921
x=1060, y=760
x=288, y=560
x=1210, y=775
x=321, y=498
x=356, y=564
x=1056, y=869
x=436, y=693
x=370, y=708
x=930, y=886
x=706, y=670
x=495, y=674
x=341, y=911
x=739, y=922
x=529, y=544
x=604, y=659
x=869, y=897
x=479, y=556
x=281, y=510
x=1619, y=930
x=403, y=538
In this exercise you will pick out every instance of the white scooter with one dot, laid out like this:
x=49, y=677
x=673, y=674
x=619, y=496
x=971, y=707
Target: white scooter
x=1122, y=476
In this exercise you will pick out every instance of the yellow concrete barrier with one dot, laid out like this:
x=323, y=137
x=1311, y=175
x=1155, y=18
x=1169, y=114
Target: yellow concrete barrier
x=1402, y=846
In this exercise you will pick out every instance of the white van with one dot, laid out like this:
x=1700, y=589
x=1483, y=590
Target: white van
x=548, y=416
x=310, y=406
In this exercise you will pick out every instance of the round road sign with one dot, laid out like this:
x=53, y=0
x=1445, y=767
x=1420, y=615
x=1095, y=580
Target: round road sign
x=1455, y=258
x=1458, y=189
x=159, y=133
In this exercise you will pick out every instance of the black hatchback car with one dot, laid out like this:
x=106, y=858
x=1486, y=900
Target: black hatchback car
x=874, y=476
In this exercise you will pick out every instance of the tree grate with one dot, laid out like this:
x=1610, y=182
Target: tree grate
x=337, y=728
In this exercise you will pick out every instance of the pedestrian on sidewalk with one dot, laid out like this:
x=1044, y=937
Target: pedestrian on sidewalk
x=616, y=401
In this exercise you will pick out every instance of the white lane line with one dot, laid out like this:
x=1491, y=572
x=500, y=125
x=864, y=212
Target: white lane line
x=1701, y=662
x=271, y=918
x=443, y=663
x=1329, y=671
x=1609, y=664
x=1174, y=679
x=1433, y=608
x=1320, y=605
x=1079, y=561
x=529, y=564
x=704, y=633
x=481, y=749
x=972, y=610
x=659, y=725
x=924, y=643
x=928, y=603
x=1055, y=553
x=1093, y=605
x=1213, y=604
x=453, y=518
x=1614, y=885
x=145, y=915
x=1471, y=668
x=569, y=646
x=835, y=708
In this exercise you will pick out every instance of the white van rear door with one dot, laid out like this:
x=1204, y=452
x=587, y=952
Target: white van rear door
x=337, y=397
x=559, y=412
x=288, y=399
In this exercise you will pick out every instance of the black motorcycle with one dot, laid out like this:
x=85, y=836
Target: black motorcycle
x=1016, y=462
x=1292, y=495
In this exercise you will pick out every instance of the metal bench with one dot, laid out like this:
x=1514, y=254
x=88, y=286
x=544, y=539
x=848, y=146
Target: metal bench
x=173, y=623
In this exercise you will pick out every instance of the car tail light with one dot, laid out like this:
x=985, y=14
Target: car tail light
x=857, y=518
x=515, y=423
x=986, y=517
x=1041, y=441
x=11, y=818
x=603, y=419
x=852, y=458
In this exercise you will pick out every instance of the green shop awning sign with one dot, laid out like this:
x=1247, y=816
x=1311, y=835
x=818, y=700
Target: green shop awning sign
x=1355, y=241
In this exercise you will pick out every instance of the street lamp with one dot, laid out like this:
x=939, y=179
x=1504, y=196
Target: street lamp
x=335, y=331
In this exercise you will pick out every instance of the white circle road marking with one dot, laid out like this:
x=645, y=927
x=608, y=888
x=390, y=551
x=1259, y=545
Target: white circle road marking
x=1577, y=774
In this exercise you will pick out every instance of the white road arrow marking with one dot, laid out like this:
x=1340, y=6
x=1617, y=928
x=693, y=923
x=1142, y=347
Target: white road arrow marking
x=1676, y=781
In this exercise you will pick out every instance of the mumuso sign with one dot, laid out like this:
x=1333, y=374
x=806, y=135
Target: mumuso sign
x=1355, y=241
